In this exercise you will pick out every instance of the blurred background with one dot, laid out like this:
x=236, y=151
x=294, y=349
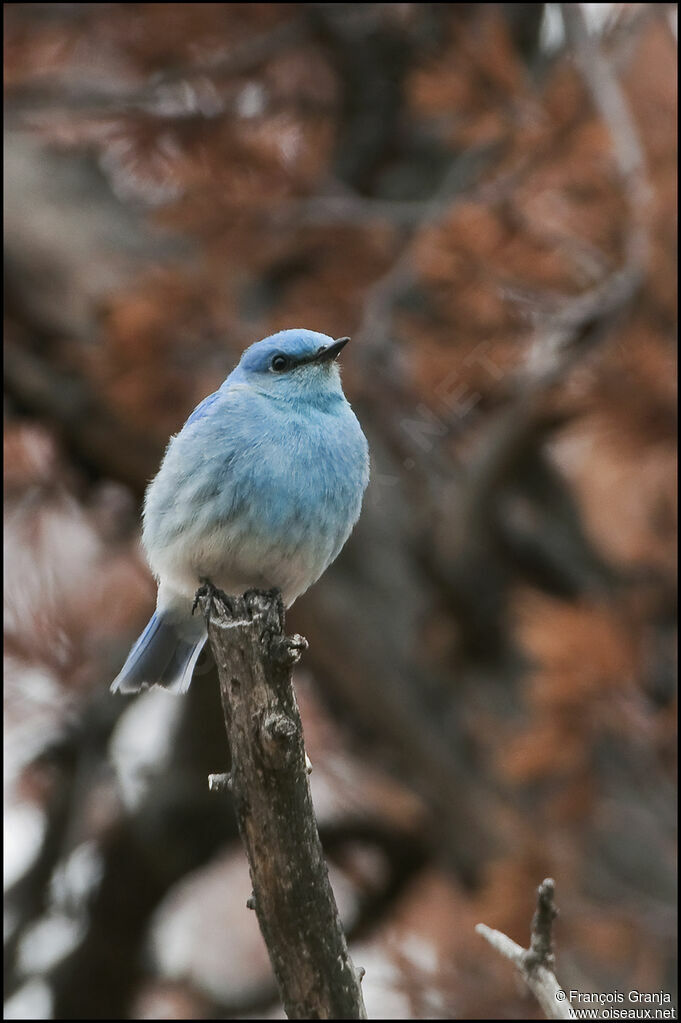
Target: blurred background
x=484, y=197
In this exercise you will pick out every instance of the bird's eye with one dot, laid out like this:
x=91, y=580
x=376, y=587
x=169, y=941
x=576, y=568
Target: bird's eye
x=279, y=363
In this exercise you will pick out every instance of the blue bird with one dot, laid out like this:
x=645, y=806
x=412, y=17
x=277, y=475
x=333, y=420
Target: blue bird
x=260, y=488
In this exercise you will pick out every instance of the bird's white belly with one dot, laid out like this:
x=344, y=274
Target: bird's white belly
x=234, y=562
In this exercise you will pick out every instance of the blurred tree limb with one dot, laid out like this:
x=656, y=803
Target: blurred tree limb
x=156, y=94
x=536, y=963
x=611, y=103
x=292, y=896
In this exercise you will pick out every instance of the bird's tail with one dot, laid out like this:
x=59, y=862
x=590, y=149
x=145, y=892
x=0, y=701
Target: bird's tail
x=165, y=654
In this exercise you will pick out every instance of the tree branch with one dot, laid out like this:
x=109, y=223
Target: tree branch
x=174, y=88
x=610, y=100
x=292, y=896
x=536, y=963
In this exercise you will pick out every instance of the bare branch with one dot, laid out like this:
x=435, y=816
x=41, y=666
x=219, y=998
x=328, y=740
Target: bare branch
x=220, y=782
x=536, y=963
x=292, y=896
x=610, y=101
x=541, y=945
x=155, y=95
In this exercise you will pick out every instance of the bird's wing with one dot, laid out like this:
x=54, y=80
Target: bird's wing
x=197, y=475
x=202, y=408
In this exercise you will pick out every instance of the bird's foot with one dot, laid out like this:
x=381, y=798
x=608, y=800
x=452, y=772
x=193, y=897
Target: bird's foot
x=209, y=595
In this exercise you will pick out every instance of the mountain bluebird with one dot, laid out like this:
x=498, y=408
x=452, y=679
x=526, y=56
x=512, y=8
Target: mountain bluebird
x=260, y=489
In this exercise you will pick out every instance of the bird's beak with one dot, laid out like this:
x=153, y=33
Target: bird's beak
x=331, y=351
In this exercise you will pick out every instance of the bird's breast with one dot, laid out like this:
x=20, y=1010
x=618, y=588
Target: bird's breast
x=273, y=509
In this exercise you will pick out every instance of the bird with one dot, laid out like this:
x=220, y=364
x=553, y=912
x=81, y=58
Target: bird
x=260, y=489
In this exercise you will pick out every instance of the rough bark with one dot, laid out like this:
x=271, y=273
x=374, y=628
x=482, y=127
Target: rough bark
x=292, y=896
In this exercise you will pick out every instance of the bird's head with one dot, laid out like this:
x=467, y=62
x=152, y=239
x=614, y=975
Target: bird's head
x=297, y=364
